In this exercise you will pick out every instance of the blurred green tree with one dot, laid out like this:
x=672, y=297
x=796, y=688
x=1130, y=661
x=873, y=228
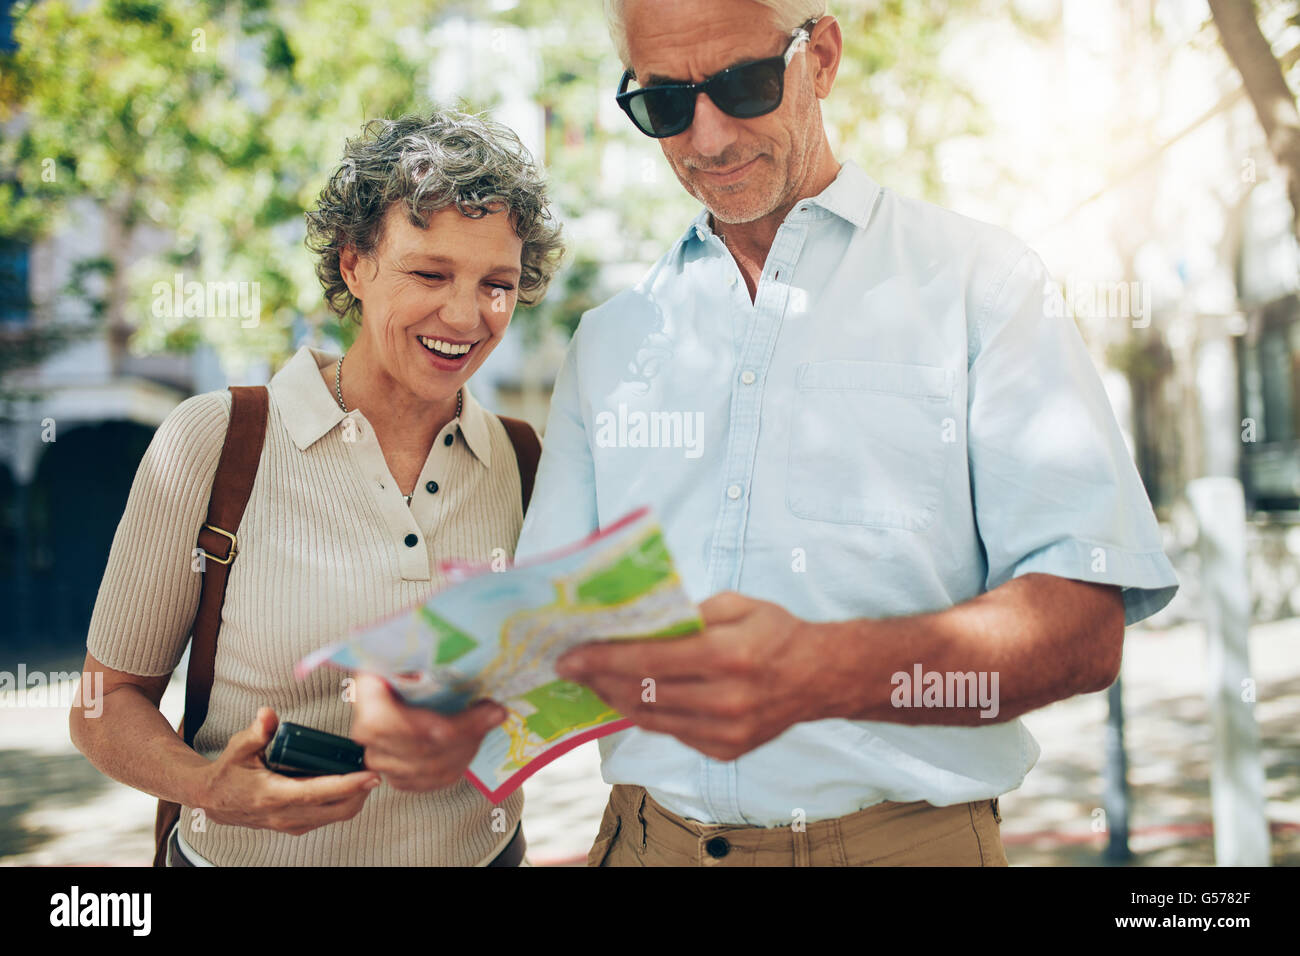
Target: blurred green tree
x=218, y=122
x=1263, y=76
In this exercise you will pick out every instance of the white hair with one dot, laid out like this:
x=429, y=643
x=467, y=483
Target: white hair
x=788, y=14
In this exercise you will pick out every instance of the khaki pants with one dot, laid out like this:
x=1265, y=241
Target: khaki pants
x=637, y=831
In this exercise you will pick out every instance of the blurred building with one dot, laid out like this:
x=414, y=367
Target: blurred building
x=75, y=425
x=1268, y=350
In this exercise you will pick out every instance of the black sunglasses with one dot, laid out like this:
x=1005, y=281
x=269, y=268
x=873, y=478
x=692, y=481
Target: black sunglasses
x=745, y=91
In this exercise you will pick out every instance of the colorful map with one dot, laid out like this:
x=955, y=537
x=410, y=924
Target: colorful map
x=498, y=633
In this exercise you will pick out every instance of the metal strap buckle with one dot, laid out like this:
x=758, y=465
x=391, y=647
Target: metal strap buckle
x=226, y=534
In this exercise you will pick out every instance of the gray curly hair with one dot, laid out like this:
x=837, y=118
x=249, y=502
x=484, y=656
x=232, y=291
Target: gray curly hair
x=428, y=163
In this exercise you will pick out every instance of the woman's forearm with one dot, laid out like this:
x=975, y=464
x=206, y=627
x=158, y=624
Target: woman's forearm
x=132, y=742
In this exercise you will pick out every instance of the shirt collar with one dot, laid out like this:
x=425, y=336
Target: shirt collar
x=851, y=196
x=309, y=409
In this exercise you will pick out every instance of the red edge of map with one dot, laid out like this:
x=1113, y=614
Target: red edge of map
x=471, y=568
x=541, y=760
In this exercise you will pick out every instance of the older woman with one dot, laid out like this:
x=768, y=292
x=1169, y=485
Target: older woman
x=375, y=465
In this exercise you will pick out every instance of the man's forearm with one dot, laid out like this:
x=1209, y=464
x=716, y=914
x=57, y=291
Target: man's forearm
x=1033, y=640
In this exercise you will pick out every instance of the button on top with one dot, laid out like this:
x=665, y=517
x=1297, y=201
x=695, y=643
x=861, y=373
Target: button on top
x=411, y=540
x=733, y=492
x=449, y=439
x=747, y=377
x=431, y=487
x=718, y=847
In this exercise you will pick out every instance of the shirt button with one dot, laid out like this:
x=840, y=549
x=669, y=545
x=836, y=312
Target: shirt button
x=718, y=847
x=732, y=282
x=412, y=541
x=747, y=377
x=449, y=439
x=733, y=492
x=431, y=487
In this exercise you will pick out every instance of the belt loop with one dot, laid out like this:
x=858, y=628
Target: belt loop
x=640, y=815
x=802, y=848
x=839, y=855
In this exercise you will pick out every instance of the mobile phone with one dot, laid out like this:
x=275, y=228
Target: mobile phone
x=298, y=751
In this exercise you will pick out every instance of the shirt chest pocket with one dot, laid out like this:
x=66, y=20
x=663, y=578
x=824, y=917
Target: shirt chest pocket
x=870, y=443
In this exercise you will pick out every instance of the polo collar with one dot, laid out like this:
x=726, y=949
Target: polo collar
x=474, y=426
x=310, y=410
x=307, y=407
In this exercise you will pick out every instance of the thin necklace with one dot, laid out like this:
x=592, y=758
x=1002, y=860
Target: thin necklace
x=338, y=393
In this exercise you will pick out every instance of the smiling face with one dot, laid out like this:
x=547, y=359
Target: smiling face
x=740, y=169
x=435, y=302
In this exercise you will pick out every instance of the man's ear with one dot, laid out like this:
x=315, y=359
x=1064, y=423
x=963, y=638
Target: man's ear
x=825, y=47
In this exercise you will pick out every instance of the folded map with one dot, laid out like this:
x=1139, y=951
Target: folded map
x=496, y=632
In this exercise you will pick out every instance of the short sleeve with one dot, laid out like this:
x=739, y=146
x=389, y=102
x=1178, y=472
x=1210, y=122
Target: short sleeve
x=150, y=590
x=1054, y=486
x=563, y=506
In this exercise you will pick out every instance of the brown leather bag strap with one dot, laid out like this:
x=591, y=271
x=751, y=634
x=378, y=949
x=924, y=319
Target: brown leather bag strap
x=231, y=486
x=528, y=449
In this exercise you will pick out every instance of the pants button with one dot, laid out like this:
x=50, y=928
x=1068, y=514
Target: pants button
x=718, y=847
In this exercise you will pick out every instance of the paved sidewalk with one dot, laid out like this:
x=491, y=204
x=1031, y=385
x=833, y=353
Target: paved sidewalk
x=57, y=809
x=1048, y=821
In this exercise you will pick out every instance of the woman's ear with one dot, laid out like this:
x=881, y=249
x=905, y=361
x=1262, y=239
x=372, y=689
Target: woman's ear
x=353, y=272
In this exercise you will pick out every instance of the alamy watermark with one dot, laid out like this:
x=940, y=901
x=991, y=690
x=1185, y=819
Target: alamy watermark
x=61, y=689
x=1090, y=299
x=638, y=429
x=128, y=910
x=923, y=688
x=219, y=300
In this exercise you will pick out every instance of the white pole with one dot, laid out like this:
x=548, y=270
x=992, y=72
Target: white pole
x=1241, y=835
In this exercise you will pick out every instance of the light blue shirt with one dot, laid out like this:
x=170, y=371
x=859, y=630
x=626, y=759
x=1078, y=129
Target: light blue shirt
x=902, y=419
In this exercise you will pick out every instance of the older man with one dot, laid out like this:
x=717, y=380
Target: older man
x=908, y=511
